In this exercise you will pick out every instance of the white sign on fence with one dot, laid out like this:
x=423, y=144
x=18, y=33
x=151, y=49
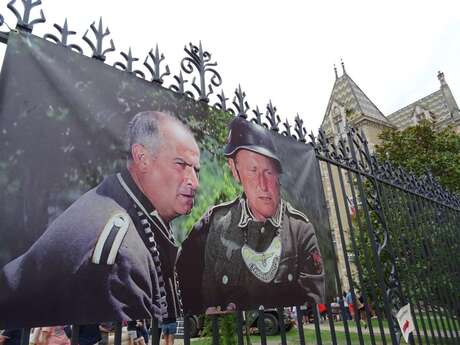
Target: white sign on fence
x=405, y=321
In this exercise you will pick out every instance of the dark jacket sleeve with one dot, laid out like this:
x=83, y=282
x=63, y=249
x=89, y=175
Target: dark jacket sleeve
x=310, y=263
x=56, y=283
x=190, y=264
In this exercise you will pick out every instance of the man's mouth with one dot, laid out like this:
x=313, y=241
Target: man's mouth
x=188, y=196
x=265, y=198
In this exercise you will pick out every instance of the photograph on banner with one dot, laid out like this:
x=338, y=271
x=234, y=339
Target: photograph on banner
x=107, y=180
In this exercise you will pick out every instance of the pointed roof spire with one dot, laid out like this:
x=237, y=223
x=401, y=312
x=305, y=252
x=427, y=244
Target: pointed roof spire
x=441, y=78
x=343, y=66
x=335, y=71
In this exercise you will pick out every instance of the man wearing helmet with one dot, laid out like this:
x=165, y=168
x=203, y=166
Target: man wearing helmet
x=257, y=249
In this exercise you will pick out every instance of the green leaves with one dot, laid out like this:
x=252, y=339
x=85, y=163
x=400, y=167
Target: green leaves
x=421, y=148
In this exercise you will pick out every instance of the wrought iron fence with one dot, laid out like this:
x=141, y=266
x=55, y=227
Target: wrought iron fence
x=396, y=235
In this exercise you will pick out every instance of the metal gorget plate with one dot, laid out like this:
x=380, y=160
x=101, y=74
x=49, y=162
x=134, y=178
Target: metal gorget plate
x=263, y=265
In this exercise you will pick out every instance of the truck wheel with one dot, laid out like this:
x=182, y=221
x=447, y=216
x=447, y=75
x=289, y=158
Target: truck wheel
x=193, y=324
x=271, y=324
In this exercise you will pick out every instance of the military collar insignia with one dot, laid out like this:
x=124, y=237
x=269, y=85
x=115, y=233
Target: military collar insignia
x=296, y=212
x=134, y=190
x=263, y=265
x=146, y=207
x=246, y=214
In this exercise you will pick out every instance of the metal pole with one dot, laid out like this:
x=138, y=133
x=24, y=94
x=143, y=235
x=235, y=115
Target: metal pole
x=186, y=329
x=370, y=230
x=261, y=324
x=75, y=335
x=118, y=332
x=281, y=322
x=342, y=239
x=215, y=329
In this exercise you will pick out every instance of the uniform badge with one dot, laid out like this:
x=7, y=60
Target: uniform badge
x=317, y=261
x=110, y=239
x=263, y=265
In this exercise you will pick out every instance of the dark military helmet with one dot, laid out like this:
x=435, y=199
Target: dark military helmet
x=249, y=136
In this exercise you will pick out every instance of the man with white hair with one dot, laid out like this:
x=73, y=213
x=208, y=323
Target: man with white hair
x=110, y=255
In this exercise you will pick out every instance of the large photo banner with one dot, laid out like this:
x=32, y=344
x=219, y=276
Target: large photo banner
x=123, y=200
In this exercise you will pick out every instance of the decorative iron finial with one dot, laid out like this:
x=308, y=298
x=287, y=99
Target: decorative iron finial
x=299, y=129
x=180, y=87
x=155, y=70
x=129, y=64
x=222, y=104
x=65, y=33
x=200, y=60
x=100, y=34
x=287, y=128
x=343, y=66
x=335, y=71
x=24, y=22
x=272, y=117
x=240, y=103
x=258, y=116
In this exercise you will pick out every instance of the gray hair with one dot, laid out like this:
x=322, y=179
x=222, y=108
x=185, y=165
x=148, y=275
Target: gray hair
x=144, y=129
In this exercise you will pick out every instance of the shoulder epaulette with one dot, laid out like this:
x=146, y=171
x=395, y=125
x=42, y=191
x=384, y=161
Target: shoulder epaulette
x=296, y=212
x=221, y=205
x=110, y=239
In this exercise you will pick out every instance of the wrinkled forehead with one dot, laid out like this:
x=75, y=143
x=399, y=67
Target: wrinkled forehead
x=176, y=136
x=251, y=158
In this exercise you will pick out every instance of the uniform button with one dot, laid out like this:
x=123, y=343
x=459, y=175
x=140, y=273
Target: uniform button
x=224, y=279
x=262, y=230
x=118, y=222
x=290, y=277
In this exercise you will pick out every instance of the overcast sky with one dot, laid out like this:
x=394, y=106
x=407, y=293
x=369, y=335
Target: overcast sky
x=285, y=50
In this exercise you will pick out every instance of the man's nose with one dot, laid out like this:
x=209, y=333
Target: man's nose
x=262, y=182
x=192, y=178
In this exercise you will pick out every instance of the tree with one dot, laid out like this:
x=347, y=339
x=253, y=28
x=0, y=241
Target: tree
x=421, y=233
x=420, y=148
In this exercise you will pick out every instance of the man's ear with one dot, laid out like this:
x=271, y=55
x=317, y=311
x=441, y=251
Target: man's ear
x=232, y=165
x=140, y=156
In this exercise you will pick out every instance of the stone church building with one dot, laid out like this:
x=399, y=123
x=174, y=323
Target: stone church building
x=349, y=106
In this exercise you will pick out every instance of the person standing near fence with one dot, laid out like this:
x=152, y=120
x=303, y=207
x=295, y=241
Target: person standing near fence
x=351, y=306
x=53, y=335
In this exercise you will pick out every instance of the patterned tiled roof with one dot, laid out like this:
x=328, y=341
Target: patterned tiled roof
x=348, y=94
x=435, y=103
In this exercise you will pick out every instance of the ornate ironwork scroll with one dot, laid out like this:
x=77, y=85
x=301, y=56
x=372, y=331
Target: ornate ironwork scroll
x=200, y=60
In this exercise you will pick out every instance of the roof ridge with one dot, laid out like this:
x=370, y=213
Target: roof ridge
x=384, y=118
x=415, y=102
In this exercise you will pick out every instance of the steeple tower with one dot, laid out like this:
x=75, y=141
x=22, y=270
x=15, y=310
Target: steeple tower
x=349, y=106
x=449, y=97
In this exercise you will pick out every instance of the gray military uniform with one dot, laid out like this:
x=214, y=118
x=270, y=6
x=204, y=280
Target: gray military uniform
x=93, y=263
x=251, y=263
